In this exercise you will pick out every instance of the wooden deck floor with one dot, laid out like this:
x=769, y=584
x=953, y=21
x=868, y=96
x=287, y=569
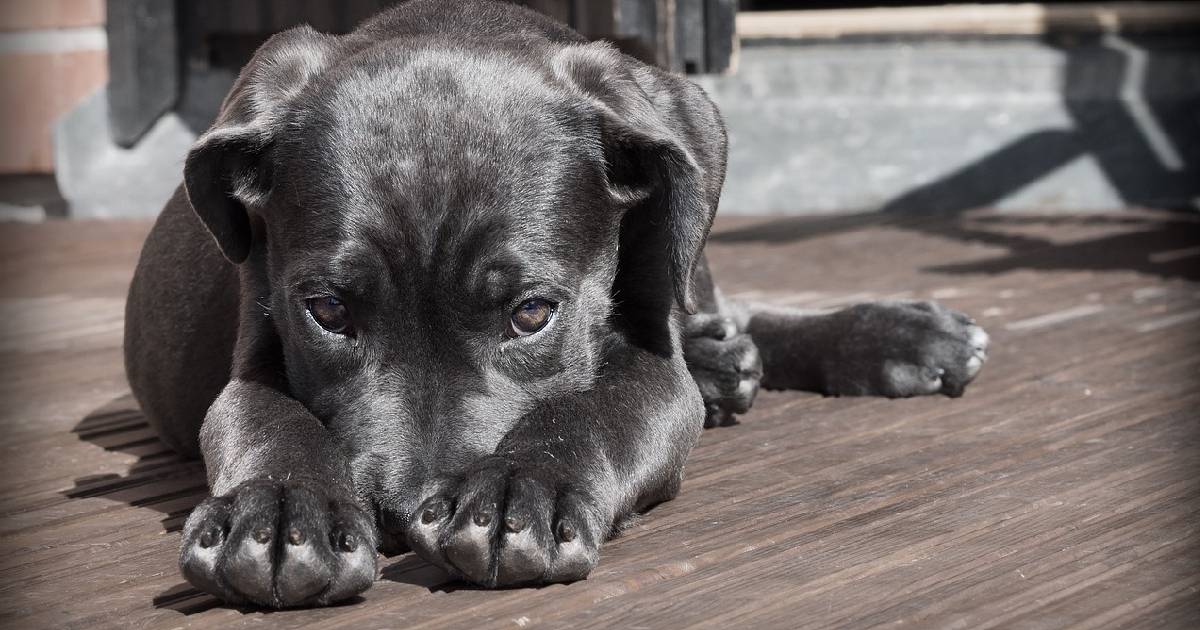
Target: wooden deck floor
x=1063, y=489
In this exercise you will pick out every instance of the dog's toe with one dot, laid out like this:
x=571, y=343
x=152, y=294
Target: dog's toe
x=525, y=550
x=709, y=325
x=576, y=540
x=204, y=538
x=302, y=573
x=906, y=379
x=963, y=356
x=468, y=548
x=979, y=340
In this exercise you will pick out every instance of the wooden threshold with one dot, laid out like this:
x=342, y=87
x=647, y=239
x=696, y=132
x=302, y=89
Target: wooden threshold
x=970, y=19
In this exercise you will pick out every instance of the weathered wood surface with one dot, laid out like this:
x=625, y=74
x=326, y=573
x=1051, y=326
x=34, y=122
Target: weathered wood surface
x=1061, y=491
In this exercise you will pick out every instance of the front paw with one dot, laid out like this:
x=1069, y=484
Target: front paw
x=901, y=349
x=279, y=544
x=725, y=365
x=505, y=525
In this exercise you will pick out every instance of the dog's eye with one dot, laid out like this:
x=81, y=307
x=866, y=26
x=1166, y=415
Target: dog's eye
x=331, y=314
x=530, y=317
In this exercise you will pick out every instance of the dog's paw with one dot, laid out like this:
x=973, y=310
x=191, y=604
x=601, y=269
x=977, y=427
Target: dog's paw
x=902, y=349
x=502, y=525
x=279, y=544
x=725, y=365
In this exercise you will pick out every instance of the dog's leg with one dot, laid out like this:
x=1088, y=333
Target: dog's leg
x=565, y=477
x=283, y=527
x=893, y=348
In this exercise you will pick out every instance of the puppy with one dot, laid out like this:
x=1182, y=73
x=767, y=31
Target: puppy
x=438, y=285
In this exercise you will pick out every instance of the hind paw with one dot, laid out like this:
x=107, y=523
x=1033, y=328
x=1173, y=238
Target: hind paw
x=902, y=349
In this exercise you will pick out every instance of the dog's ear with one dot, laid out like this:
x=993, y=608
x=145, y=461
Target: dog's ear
x=228, y=170
x=664, y=152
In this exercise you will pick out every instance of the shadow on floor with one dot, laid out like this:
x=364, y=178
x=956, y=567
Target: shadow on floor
x=185, y=600
x=1166, y=248
x=160, y=479
x=411, y=569
x=1164, y=244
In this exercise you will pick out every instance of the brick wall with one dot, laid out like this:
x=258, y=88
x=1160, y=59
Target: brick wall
x=53, y=53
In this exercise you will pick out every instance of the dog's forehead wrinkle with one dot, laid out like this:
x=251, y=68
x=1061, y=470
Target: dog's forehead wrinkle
x=339, y=265
x=350, y=254
x=431, y=112
x=436, y=207
x=486, y=95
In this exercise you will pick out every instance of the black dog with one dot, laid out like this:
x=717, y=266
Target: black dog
x=439, y=284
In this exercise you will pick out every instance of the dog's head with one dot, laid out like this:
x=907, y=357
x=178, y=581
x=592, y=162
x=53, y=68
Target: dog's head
x=444, y=236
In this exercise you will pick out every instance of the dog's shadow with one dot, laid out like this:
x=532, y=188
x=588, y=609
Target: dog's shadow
x=159, y=480
x=163, y=481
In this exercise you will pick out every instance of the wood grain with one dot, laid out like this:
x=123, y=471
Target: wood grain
x=1061, y=491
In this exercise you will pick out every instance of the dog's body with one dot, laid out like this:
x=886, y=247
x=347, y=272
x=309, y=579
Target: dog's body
x=469, y=312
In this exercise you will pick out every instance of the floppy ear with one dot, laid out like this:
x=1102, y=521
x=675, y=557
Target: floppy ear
x=664, y=147
x=228, y=170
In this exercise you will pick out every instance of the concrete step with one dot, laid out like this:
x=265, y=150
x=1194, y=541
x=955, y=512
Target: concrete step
x=1071, y=121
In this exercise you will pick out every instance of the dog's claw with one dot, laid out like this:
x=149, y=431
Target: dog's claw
x=514, y=523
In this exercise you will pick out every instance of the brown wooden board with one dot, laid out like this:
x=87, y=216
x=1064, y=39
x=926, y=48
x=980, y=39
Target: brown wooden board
x=1061, y=491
